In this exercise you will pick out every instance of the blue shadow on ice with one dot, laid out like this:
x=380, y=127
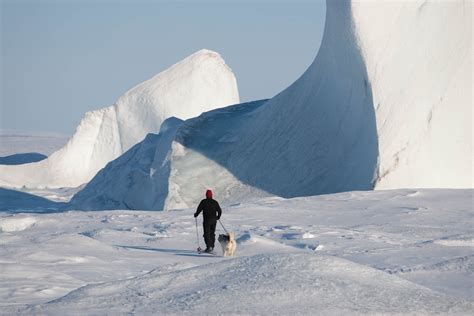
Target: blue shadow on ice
x=13, y=201
x=318, y=136
x=19, y=159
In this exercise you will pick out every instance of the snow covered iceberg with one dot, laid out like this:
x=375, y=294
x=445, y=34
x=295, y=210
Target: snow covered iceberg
x=136, y=180
x=199, y=83
x=386, y=104
x=146, y=176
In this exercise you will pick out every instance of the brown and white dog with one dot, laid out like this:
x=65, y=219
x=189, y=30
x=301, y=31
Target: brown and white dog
x=228, y=244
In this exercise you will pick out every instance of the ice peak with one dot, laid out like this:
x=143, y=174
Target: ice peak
x=207, y=52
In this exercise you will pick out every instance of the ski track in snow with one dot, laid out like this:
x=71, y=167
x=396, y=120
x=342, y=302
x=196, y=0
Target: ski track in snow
x=402, y=251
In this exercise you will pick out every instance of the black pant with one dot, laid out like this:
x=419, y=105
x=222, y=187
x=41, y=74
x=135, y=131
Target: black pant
x=209, y=232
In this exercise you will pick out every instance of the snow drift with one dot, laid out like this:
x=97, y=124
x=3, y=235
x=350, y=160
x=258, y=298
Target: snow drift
x=291, y=284
x=199, y=83
x=385, y=104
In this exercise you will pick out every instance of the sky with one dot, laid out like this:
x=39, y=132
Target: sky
x=61, y=59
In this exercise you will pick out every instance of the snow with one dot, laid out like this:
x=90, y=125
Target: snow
x=198, y=83
x=16, y=224
x=376, y=252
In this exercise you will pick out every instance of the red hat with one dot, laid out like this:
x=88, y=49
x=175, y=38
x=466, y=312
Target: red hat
x=209, y=194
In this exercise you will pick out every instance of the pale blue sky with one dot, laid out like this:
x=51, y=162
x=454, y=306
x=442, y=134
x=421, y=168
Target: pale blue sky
x=63, y=58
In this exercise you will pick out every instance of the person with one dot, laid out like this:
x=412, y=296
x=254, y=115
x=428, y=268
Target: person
x=211, y=213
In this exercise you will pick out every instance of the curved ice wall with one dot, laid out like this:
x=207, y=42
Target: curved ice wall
x=386, y=103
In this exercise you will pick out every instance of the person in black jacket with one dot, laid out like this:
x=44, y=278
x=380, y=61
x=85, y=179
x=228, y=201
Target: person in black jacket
x=211, y=213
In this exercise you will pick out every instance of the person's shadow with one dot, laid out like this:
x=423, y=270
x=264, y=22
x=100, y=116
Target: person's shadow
x=177, y=252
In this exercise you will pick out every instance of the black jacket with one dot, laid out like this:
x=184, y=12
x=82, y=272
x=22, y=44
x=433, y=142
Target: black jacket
x=210, y=210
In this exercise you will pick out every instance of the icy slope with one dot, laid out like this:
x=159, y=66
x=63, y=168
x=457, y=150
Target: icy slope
x=196, y=84
x=135, y=180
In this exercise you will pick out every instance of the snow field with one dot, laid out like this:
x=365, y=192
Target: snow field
x=370, y=252
x=16, y=224
x=271, y=283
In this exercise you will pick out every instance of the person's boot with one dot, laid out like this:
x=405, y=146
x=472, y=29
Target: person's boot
x=208, y=250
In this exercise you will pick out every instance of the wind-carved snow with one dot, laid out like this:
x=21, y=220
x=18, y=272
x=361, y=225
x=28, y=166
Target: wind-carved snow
x=196, y=84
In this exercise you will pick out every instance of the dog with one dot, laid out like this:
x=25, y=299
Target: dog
x=228, y=244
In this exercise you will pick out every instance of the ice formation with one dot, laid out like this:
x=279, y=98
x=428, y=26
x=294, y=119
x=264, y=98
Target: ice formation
x=386, y=104
x=199, y=83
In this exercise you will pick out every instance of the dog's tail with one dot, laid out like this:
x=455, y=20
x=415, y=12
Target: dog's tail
x=231, y=235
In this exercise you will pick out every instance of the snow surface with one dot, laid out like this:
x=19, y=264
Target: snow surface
x=386, y=104
x=17, y=224
x=376, y=252
x=198, y=83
